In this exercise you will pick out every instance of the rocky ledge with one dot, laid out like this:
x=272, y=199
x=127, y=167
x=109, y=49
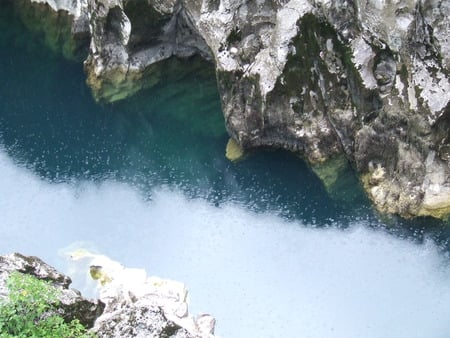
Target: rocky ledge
x=130, y=303
x=360, y=83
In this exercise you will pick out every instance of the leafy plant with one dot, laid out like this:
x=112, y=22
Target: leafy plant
x=31, y=310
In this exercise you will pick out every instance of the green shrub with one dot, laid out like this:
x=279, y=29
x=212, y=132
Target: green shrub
x=31, y=311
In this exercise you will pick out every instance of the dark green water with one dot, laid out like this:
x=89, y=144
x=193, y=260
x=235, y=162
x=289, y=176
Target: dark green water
x=168, y=137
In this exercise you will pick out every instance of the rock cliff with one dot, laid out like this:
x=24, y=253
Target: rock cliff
x=345, y=81
x=130, y=304
x=73, y=305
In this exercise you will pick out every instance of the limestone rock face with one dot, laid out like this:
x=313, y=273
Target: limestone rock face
x=138, y=321
x=73, y=305
x=141, y=306
x=368, y=80
x=129, y=38
x=130, y=303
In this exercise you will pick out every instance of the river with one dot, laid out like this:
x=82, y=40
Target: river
x=259, y=243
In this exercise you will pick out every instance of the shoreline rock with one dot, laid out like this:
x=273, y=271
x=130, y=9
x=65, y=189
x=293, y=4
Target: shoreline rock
x=73, y=305
x=362, y=79
x=130, y=303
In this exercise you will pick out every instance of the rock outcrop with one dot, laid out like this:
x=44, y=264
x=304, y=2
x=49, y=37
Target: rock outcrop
x=141, y=306
x=129, y=41
x=367, y=81
x=130, y=305
x=72, y=304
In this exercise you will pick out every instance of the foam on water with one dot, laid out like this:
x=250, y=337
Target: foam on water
x=259, y=275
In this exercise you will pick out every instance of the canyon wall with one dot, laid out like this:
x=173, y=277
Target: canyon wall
x=344, y=82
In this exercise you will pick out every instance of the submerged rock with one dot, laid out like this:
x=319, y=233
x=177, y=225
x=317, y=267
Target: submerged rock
x=339, y=180
x=233, y=151
x=130, y=305
x=368, y=80
x=60, y=25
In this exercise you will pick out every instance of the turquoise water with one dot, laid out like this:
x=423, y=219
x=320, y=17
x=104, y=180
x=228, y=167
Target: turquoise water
x=146, y=181
x=171, y=135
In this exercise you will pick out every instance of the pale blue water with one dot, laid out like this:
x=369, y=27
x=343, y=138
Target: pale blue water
x=259, y=243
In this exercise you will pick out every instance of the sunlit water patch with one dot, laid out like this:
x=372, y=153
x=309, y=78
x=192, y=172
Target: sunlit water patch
x=259, y=275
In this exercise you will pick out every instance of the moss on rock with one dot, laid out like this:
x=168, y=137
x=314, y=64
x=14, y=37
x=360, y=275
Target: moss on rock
x=233, y=151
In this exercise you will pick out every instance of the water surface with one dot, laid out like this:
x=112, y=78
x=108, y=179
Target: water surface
x=259, y=243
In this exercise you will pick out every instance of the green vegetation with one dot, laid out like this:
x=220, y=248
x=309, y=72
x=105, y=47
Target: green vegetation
x=234, y=36
x=306, y=66
x=404, y=74
x=31, y=310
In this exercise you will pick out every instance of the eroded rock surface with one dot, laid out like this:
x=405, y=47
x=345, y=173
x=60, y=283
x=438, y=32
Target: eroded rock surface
x=141, y=306
x=130, y=303
x=365, y=79
x=73, y=305
x=130, y=38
